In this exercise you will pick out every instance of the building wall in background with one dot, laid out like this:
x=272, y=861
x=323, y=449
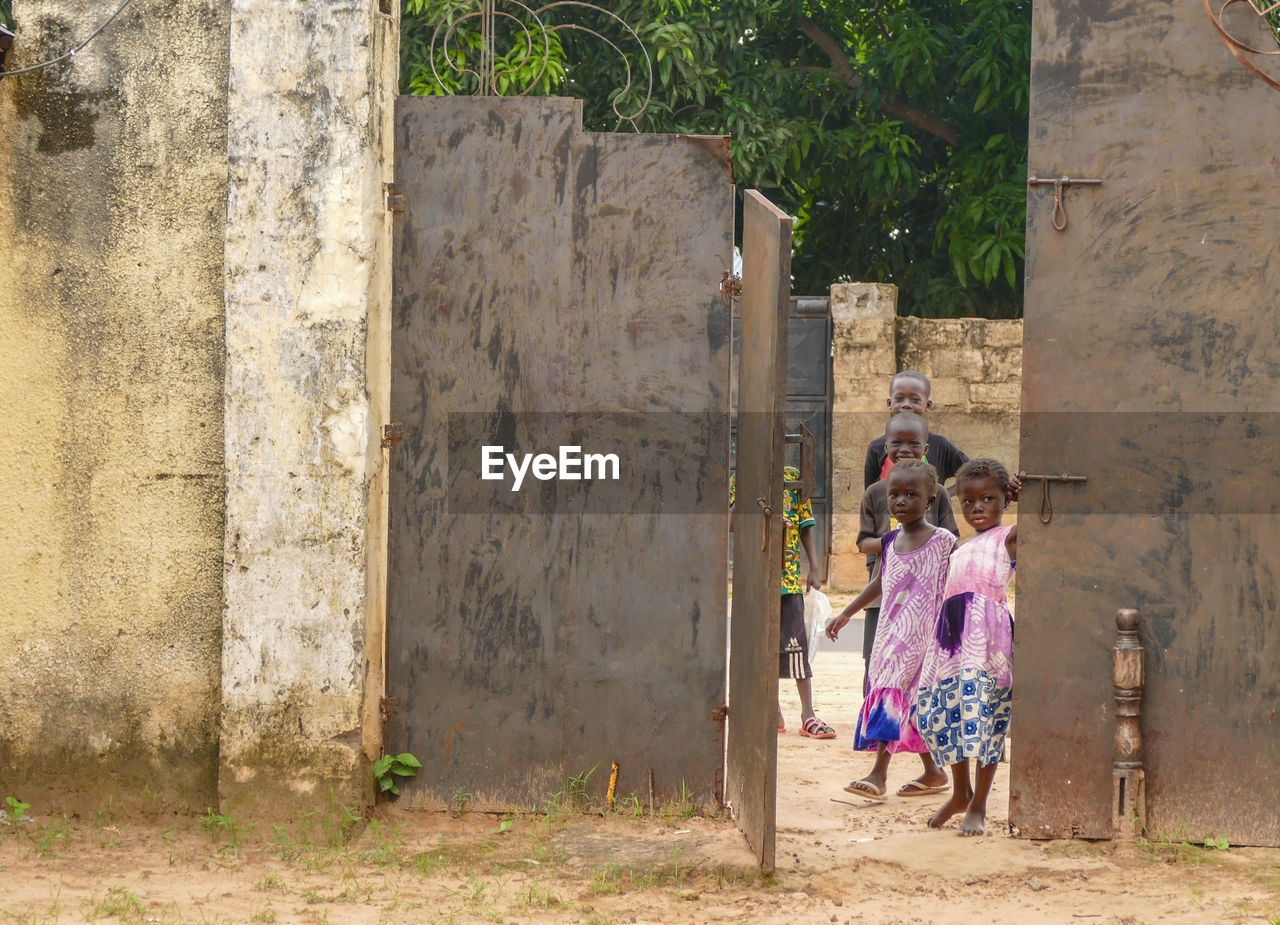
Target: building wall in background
x=974, y=365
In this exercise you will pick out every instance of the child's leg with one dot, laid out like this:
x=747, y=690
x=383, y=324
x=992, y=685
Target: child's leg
x=804, y=686
x=974, y=822
x=961, y=794
x=873, y=783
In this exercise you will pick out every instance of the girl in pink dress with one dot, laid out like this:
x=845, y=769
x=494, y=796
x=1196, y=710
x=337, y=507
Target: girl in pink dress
x=964, y=701
x=913, y=570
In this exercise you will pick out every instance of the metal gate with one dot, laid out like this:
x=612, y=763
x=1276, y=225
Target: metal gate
x=557, y=289
x=751, y=786
x=1149, y=367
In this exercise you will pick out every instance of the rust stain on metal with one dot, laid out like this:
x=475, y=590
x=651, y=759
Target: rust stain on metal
x=717, y=146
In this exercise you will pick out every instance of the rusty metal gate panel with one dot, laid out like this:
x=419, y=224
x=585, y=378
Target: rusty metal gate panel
x=555, y=288
x=1150, y=367
x=752, y=753
x=810, y=398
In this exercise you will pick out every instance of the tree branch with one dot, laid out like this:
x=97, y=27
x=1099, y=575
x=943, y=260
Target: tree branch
x=844, y=72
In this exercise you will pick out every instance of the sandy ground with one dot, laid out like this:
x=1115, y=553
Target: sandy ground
x=840, y=860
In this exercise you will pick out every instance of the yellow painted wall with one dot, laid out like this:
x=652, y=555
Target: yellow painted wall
x=112, y=217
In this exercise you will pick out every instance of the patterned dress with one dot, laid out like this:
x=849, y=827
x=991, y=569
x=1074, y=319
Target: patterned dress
x=966, y=687
x=911, y=592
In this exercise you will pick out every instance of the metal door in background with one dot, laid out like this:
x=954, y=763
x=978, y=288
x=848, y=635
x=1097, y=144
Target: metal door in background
x=1150, y=367
x=752, y=751
x=810, y=395
x=554, y=287
x=809, y=400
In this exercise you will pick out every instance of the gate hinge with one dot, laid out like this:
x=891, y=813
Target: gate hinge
x=730, y=287
x=720, y=712
x=389, y=707
x=393, y=199
x=391, y=435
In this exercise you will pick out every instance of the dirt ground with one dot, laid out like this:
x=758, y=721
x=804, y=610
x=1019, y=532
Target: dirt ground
x=840, y=860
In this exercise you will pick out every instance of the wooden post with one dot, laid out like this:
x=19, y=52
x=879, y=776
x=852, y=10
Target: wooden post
x=1128, y=799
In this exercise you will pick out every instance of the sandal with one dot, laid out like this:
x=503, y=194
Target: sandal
x=815, y=728
x=918, y=788
x=866, y=790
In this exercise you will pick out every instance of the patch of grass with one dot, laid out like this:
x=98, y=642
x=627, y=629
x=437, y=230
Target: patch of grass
x=225, y=830
x=269, y=881
x=1178, y=849
x=55, y=835
x=461, y=797
x=118, y=902
x=681, y=807
x=428, y=863
x=535, y=898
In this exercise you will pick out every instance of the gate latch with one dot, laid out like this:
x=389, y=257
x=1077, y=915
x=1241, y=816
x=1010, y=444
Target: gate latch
x=393, y=199
x=1046, y=506
x=1060, y=185
x=730, y=287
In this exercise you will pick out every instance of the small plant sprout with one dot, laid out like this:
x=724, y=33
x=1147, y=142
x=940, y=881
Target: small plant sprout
x=461, y=797
x=17, y=810
x=388, y=770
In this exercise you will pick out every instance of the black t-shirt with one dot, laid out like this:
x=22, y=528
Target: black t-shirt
x=942, y=454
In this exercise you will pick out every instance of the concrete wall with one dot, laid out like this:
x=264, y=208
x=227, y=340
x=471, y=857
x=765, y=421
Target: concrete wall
x=974, y=365
x=194, y=324
x=312, y=90
x=112, y=215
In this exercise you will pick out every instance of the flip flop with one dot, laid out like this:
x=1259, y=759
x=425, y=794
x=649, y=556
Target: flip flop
x=914, y=788
x=815, y=728
x=781, y=730
x=866, y=790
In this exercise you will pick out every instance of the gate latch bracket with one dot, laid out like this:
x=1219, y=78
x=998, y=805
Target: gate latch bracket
x=391, y=435
x=1060, y=185
x=1046, y=506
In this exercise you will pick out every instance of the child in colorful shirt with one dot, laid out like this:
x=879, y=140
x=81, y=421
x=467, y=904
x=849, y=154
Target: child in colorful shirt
x=793, y=654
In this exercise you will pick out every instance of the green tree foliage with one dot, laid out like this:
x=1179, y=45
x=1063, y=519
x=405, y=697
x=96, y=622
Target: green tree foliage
x=894, y=131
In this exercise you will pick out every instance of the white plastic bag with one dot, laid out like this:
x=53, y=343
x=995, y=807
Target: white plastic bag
x=817, y=613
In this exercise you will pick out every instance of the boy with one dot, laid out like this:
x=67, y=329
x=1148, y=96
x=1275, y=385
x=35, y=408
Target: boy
x=793, y=645
x=909, y=391
x=906, y=436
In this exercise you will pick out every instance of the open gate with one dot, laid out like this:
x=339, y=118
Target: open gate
x=554, y=288
x=1149, y=367
x=751, y=787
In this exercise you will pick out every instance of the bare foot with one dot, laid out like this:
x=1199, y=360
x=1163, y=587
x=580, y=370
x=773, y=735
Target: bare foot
x=973, y=822
x=958, y=803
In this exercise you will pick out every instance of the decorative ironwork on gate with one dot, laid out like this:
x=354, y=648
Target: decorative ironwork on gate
x=1269, y=11
x=534, y=26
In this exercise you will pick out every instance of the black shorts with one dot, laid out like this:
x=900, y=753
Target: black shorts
x=793, y=641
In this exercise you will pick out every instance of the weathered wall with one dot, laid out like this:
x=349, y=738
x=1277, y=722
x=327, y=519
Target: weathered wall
x=112, y=208
x=311, y=91
x=974, y=365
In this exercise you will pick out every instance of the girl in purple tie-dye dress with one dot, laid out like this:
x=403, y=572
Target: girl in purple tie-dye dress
x=964, y=701
x=913, y=571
